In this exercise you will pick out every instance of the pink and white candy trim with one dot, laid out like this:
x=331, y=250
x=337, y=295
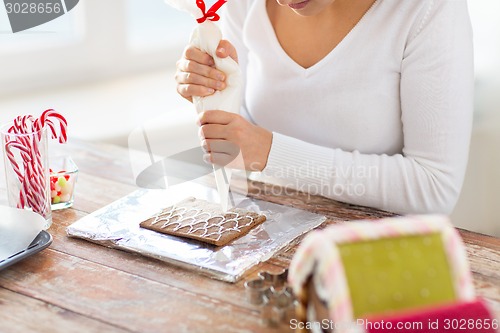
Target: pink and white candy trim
x=25, y=136
x=318, y=256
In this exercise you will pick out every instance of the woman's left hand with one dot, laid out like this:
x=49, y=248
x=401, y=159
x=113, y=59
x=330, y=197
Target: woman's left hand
x=225, y=135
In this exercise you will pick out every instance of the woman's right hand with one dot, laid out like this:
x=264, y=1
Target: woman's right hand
x=196, y=74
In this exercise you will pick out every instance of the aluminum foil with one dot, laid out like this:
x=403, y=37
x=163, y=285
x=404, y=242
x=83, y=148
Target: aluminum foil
x=117, y=226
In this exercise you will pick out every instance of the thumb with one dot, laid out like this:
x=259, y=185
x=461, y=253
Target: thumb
x=226, y=49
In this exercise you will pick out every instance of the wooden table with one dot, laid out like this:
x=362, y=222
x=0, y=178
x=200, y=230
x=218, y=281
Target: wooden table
x=77, y=286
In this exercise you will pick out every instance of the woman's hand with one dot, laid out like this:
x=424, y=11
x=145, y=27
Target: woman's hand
x=225, y=135
x=196, y=74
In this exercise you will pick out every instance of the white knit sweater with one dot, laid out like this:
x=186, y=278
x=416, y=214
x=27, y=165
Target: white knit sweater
x=384, y=120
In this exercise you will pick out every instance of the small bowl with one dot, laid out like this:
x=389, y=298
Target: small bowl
x=63, y=177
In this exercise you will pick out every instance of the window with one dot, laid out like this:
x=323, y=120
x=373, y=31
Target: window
x=64, y=30
x=96, y=40
x=151, y=24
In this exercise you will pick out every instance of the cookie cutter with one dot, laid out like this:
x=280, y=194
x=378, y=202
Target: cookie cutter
x=276, y=280
x=275, y=299
x=256, y=290
x=278, y=308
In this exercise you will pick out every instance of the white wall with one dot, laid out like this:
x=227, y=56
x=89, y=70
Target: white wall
x=477, y=207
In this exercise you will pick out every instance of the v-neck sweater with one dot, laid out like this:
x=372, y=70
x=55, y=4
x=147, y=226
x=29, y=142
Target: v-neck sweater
x=383, y=120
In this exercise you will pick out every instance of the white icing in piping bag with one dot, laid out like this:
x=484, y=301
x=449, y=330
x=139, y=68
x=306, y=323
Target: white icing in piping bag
x=206, y=36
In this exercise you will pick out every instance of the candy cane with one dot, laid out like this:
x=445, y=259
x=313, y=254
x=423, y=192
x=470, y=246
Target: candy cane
x=12, y=159
x=35, y=184
x=28, y=186
x=28, y=158
x=32, y=177
x=46, y=119
x=22, y=122
x=38, y=164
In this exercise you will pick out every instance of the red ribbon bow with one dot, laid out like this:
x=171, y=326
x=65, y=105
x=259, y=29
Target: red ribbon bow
x=211, y=14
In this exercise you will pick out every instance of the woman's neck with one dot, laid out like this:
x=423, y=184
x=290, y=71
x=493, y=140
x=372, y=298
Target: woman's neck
x=308, y=39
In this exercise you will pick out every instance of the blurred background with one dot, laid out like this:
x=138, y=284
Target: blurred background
x=109, y=66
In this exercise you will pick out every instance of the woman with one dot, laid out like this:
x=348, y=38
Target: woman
x=363, y=101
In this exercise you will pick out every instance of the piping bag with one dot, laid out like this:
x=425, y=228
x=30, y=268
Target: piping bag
x=18, y=228
x=206, y=36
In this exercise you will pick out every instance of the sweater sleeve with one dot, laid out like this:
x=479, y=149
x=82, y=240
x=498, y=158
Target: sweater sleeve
x=436, y=90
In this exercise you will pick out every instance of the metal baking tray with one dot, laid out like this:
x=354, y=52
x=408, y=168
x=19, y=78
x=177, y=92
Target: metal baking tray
x=117, y=226
x=41, y=242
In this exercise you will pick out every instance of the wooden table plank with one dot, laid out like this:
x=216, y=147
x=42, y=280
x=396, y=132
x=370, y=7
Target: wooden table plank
x=32, y=315
x=122, y=299
x=93, y=192
x=102, y=160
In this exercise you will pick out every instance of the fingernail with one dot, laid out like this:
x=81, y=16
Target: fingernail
x=220, y=77
x=221, y=50
x=210, y=91
x=219, y=85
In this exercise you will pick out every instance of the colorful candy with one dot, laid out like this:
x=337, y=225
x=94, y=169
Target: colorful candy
x=61, y=187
